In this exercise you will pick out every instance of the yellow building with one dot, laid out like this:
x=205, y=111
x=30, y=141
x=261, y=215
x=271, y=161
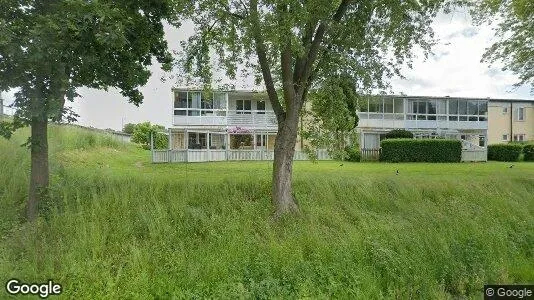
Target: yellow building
x=510, y=120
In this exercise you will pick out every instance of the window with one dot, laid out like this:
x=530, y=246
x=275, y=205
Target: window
x=260, y=107
x=193, y=103
x=180, y=103
x=261, y=140
x=519, y=137
x=206, y=104
x=520, y=114
x=504, y=110
x=243, y=106
x=505, y=137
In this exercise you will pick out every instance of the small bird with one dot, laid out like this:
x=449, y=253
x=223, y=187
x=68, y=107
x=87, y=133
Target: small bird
x=397, y=172
x=341, y=165
x=511, y=166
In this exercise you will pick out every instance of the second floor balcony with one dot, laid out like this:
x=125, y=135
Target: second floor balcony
x=423, y=113
x=209, y=117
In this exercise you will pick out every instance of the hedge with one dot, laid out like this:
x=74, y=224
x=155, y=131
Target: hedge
x=410, y=150
x=504, y=152
x=398, y=134
x=528, y=150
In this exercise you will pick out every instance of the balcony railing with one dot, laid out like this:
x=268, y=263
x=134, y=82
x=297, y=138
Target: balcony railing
x=245, y=118
x=410, y=120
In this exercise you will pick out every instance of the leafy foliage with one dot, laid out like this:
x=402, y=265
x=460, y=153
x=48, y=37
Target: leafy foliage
x=528, y=151
x=353, y=153
x=143, y=131
x=504, y=152
x=425, y=150
x=332, y=119
x=515, y=32
x=398, y=134
x=128, y=128
x=50, y=48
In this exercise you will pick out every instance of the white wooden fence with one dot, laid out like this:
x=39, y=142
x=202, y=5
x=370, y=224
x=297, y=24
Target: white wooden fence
x=204, y=155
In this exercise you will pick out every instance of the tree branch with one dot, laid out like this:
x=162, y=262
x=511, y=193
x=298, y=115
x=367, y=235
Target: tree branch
x=261, y=52
x=317, y=40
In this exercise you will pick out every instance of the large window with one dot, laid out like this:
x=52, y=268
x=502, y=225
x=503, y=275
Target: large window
x=199, y=104
x=468, y=110
x=243, y=106
x=260, y=107
x=521, y=114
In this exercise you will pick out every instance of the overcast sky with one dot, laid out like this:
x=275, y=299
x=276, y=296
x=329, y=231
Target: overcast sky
x=454, y=70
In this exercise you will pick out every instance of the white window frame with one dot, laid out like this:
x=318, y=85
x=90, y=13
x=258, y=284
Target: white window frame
x=505, y=137
x=522, y=109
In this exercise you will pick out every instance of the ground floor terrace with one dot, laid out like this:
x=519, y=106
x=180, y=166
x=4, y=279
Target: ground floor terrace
x=221, y=144
x=474, y=141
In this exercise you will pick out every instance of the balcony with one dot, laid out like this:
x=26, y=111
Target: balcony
x=260, y=119
x=420, y=121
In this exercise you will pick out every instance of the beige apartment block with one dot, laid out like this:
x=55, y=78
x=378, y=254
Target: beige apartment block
x=510, y=120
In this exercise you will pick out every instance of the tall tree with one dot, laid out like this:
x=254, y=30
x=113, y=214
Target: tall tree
x=515, y=33
x=49, y=48
x=331, y=121
x=293, y=45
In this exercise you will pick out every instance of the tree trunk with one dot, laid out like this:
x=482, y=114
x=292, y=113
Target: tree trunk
x=284, y=149
x=39, y=166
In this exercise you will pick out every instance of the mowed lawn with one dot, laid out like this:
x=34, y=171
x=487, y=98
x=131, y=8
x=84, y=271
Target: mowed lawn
x=117, y=226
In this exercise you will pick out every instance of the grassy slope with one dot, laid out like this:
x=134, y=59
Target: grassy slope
x=118, y=226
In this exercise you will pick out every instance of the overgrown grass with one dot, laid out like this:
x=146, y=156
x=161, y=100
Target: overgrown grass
x=117, y=226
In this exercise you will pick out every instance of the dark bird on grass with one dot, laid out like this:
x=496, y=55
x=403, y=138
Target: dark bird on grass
x=341, y=165
x=511, y=166
x=397, y=172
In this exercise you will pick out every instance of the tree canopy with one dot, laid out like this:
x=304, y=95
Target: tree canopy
x=294, y=45
x=49, y=48
x=515, y=33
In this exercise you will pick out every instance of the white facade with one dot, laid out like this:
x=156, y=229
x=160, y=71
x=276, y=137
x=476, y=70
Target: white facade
x=461, y=118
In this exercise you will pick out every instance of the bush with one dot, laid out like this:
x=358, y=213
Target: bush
x=410, y=150
x=504, y=152
x=528, y=150
x=352, y=153
x=398, y=134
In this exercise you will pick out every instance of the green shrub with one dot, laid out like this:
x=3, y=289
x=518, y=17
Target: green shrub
x=505, y=152
x=352, y=153
x=410, y=150
x=398, y=134
x=528, y=151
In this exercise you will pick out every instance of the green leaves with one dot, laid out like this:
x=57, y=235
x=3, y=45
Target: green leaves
x=50, y=48
x=410, y=150
x=515, y=32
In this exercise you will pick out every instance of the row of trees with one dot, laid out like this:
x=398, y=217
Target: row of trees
x=50, y=48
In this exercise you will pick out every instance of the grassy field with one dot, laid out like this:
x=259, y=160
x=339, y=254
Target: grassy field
x=117, y=226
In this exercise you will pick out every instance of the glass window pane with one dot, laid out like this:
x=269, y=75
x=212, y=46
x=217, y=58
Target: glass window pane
x=388, y=105
x=462, y=107
x=180, y=112
x=219, y=100
x=441, y=107
x=194, y=99
x=421, y=107
x=399, y=105
x=180, y=99
x=472, y=107
x=363, y=104
x=375, y=104
x=432, y=107
x=453, y=107
x=483, y=107
x=260, y=106
x=414, y=107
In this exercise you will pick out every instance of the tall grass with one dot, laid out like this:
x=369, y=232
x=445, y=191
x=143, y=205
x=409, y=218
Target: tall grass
x=118, y=227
